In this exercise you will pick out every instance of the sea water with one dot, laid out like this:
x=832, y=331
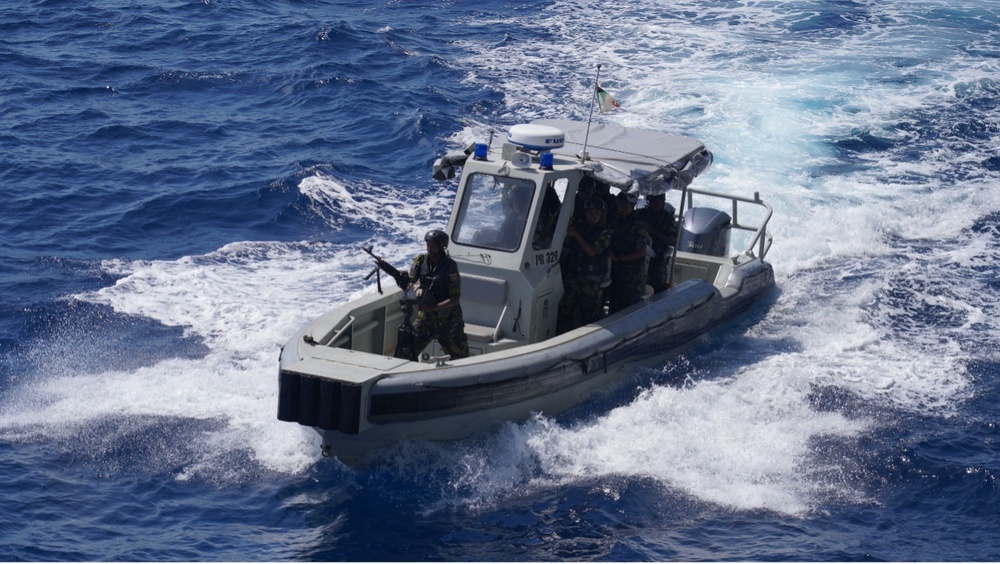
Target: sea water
x=186, y=183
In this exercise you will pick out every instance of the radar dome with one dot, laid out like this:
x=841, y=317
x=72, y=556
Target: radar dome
x=534, y=137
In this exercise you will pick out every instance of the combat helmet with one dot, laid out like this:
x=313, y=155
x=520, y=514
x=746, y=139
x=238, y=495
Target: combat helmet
x=439, y=237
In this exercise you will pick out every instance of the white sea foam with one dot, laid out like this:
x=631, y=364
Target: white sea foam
x=384, y=208
x=847, y=232
x=743, y=442
x=243, y=301
x=731, y=441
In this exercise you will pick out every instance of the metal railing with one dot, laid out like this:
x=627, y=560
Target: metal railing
x=761, y=238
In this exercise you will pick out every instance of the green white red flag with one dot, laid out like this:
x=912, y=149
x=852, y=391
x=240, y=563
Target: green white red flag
x=606, y=102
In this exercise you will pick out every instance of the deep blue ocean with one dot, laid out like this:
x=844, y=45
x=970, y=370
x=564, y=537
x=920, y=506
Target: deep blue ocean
x=184, y=183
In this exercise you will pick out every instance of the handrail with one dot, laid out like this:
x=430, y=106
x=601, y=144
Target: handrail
x=761, y=238
x=350, y=321
x=496, y=330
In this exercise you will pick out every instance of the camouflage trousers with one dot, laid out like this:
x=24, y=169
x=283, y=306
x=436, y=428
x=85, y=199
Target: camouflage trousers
x=657, y=276
x=581, y=304
x=628, y=284
x=447, y=327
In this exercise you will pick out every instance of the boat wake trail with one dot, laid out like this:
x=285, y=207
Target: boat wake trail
x=747, y=443
x=211, y=413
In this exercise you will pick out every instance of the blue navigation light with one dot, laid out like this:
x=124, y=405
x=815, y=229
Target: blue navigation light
x=481, y=150
x=546, y=160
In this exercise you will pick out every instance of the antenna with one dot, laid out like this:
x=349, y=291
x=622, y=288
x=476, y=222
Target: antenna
x=593, y=97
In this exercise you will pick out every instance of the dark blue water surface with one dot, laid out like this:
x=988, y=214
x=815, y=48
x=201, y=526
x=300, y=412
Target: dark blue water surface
x=184, y=183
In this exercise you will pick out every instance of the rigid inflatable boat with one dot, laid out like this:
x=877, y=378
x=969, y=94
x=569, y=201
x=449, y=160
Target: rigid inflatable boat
x=341, y=373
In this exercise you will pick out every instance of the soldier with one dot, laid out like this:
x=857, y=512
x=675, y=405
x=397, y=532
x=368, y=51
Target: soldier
x=584, y=191
x=602, y=190
x=628, y=255
x=584, y=262
x=659, y=219
x=438, y=292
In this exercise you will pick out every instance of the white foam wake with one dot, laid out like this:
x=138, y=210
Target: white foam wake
x=864, y=244
x=882, y=292
x=242, y=301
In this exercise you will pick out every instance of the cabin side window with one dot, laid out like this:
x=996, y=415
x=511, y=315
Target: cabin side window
x=494, y=211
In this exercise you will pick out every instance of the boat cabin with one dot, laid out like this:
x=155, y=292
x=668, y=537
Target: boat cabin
x=514, y=202
x=507, y=228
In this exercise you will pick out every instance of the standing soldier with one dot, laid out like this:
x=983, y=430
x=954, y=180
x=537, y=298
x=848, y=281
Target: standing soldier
x=584, y=192
x=584, y=262
x=659, y=219
x=438, y=291
x=628, y=255
x=602, y=190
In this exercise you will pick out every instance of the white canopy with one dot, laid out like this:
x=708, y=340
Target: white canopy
x=655, y=161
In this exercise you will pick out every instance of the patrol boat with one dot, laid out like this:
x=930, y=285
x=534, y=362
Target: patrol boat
x=343, y=375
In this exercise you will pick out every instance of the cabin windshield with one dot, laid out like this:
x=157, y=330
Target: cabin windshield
x=494, y=211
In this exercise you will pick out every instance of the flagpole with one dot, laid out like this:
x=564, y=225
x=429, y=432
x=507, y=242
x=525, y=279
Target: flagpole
x=593, y=98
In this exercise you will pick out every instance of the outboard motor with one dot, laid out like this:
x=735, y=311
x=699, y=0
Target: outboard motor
x=705, y=232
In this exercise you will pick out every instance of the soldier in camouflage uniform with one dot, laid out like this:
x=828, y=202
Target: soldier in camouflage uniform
x=438, y=291
x=584, y=192
x=602, y=190
x=584, y=262
x=659, y=219
x=628, y=255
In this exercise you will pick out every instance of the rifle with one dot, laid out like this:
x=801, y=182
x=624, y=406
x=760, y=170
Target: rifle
x=405, y=334
x=402, y=280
